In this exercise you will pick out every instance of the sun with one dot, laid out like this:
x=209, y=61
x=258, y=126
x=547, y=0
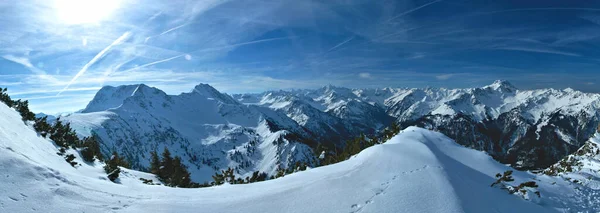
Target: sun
x=84, y=11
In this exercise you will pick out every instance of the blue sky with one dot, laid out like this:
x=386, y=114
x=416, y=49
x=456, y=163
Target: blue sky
x=58, y=53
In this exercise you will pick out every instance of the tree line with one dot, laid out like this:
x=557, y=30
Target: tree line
x=65, y=137
x=356, y=145
x=170, y=170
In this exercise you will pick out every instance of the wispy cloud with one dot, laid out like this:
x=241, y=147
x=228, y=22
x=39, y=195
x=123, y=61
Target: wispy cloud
x=95, y=59
x=25, y=62
x=539, y=50
x=444, y=77
x=365, y=75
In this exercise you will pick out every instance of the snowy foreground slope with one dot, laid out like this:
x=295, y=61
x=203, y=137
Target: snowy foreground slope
x=416, y=171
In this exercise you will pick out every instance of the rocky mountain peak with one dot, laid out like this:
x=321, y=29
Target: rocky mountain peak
x=210, y=92
x=502, y=86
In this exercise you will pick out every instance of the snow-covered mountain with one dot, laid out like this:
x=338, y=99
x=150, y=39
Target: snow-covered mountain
x=528, y=129
x=416, y=171
x=207, y=129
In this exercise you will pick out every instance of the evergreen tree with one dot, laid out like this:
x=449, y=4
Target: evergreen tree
x=166, y=166
x=23, y=108
x=280, y=172
x=180, y=176
x=112, y=167
x=70, y=136
x=41, y=125
x=57, y=133
x=219, y=178
x=154, y=163
x=91, y=148
x=5, y=98
x=230, y=176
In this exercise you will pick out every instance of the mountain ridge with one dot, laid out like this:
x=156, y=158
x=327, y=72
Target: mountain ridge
x=508, y=123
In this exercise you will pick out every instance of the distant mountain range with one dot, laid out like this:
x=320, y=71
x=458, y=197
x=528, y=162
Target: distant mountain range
x=210, y=130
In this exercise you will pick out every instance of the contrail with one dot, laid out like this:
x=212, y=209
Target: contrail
x=95, y=59
x=413, y=10
x=340, y=44
x=207, y=49
x=174, y=28
x=538, y=9
x=115, y=68
x=153, y=63
x=244, y=43
x=167, y=31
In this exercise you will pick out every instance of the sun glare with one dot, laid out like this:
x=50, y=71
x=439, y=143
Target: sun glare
x=84, y=11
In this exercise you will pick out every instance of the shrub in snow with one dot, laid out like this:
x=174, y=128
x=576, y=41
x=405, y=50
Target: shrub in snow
x=112, y=166
x=69, y=158
x=523, y=190
x=503, y=178
x=147, y=181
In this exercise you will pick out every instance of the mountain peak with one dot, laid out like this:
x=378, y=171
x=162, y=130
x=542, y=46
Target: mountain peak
x=210, y=92
x=502, y=85
x=110, y=97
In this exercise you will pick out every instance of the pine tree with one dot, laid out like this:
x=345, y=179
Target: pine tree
x=166, y=166
x=70, y=136
x=112, y=167
x=23, y=108
x=57, y=133
x=230, y=176
x=280, y=172
x=91, y=148
x=5, y=98
x=41, y=125
x=219, y=178
x=180, y=176
x=154, y=163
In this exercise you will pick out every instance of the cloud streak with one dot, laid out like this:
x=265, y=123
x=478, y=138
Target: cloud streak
x=539, y=50
x=95, y=59
x=340, y=44
x=25, y=62
x=412, y=10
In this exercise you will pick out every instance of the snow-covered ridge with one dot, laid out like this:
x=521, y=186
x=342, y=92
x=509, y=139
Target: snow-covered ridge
x=211, y=130
x=498, y=118
x=481, y=103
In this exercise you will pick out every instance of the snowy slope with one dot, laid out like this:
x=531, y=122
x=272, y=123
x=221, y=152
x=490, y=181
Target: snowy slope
x=416, y=171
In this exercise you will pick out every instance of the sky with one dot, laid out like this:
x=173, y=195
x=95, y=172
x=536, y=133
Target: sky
x=59, y=53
